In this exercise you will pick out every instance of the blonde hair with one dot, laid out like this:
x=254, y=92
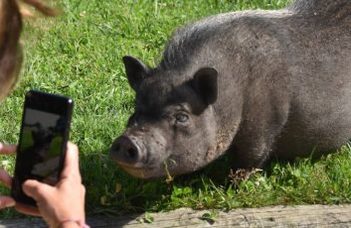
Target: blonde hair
x=10, y=50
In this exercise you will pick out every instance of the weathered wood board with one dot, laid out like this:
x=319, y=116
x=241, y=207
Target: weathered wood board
x=277, y=216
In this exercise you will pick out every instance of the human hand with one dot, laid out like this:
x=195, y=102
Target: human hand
x=63, y=203
x=5, y=178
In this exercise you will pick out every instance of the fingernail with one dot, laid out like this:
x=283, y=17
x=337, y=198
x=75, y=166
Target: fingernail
x=7, y=202
x=11, y=204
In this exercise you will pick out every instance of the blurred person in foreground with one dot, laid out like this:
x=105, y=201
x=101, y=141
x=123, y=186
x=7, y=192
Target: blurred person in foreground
x=61, y=205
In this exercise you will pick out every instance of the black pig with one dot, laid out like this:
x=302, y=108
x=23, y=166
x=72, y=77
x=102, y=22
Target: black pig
x=258, y=84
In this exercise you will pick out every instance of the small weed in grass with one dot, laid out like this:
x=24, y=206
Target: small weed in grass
x=147, y=218
x=209, y=217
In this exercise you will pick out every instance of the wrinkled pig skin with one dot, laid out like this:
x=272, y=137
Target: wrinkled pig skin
x=257, y=84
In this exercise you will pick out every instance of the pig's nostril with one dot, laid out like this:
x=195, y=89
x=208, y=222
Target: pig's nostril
x=117, y=147
x=132, y=153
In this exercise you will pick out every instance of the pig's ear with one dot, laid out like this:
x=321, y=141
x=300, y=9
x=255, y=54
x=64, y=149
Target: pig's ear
x=205, y=84
x=136, y=71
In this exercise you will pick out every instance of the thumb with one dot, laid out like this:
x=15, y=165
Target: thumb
x=36, y=190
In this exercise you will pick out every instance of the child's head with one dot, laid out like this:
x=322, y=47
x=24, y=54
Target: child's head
x=10, y=50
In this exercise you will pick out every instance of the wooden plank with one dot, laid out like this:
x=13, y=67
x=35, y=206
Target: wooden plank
x=277, y=216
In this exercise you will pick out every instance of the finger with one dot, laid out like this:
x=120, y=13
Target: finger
x=7, y=149
x=6, y=201
x=5, y=178
x=36, y=190
x=28, y=210
x=71, y=166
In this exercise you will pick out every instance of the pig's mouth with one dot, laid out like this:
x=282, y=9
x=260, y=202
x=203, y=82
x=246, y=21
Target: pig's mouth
x=148, y=171
x=144, y=171
x=136, y=172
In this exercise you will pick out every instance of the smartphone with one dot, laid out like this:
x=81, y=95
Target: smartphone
x=42, y=141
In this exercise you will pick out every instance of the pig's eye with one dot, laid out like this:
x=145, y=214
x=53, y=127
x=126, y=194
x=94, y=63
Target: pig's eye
x=182, y=118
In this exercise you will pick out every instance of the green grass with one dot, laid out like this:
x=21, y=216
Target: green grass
x=79, y=54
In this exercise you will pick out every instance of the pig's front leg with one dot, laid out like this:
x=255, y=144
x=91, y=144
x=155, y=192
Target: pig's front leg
x=252, y=153
x=254, y=143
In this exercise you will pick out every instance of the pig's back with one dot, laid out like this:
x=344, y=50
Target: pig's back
x=303, y=57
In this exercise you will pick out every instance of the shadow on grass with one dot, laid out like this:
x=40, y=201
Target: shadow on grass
x=112, y=192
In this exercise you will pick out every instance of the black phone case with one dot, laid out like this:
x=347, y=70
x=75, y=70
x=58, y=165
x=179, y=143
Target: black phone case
x=46, y=103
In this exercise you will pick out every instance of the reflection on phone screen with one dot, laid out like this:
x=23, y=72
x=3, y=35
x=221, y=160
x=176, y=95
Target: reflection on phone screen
x=40, y=146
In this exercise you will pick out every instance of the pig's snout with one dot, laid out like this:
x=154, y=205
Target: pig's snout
x=126, y=150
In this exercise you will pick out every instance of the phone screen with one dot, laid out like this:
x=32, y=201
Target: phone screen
x=40, y=146
x=42, y=141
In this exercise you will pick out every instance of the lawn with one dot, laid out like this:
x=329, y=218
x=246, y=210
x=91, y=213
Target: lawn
x=79, y=54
